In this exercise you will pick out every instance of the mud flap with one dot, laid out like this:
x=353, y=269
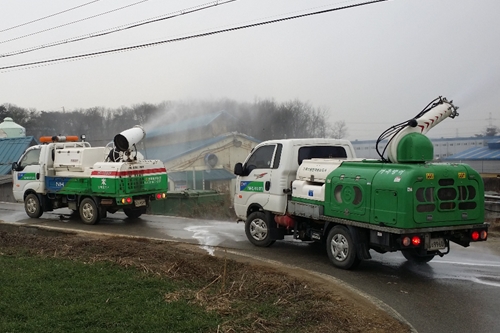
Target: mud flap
x=275, y=232
x=103, y=212
x=360, y=239
x=46, y=203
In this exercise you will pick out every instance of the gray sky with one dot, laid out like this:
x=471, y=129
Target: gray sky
x=371, y=66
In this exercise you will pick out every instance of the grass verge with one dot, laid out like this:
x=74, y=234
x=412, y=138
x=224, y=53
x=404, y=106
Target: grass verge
x=75, y=283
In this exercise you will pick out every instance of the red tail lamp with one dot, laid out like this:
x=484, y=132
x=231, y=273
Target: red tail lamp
x=126, y=200
x=414, y=240
x=159, y=196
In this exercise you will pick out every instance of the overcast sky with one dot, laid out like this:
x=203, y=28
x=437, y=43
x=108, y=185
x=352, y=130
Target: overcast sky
x=371, y=66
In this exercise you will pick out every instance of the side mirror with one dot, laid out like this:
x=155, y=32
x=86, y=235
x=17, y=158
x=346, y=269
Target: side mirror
x=15, y=166
x=238, y=169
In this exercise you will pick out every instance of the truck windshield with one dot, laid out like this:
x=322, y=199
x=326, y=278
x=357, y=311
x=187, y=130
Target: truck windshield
x=306, y=153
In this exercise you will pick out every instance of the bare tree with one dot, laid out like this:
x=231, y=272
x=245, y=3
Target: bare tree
x=338, y=130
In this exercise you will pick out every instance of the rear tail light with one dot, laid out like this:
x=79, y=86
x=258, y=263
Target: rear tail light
x=411, y=241
x=160, y=196
x=126, y=200
x=475, y=235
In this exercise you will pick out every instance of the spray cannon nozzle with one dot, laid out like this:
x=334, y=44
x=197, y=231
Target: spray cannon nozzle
x=128, y=138
x=453, y=110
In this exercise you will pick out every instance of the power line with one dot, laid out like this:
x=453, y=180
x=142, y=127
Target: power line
x=66, y=24
x=215, y=32
x=52, y=15
x=120, y=28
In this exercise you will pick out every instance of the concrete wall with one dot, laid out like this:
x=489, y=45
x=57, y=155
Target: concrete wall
x=492, y=184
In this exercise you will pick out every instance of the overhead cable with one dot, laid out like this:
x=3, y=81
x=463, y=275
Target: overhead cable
x=69, y=23
x=120, y=28
x=52, y=15
x=130, y=48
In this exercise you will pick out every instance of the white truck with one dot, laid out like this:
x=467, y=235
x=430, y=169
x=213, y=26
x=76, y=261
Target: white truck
x=92, y=181
x=317, y=190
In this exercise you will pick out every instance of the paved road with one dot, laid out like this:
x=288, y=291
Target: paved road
x=457, y=293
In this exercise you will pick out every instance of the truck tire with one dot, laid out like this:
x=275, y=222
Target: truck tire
x=412, y=256
x=32, y=206
x=257, y=229
x=133, y=213
x=341, y=248
x=89, y=212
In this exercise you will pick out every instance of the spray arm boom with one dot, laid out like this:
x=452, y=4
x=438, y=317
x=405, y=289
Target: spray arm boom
x=435, y=112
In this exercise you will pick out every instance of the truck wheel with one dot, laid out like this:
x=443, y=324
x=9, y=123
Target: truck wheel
x=257, y=230
x=133, y=213
x=32, y=206
x=412, y=256
x=89, y=212
x=341, y=248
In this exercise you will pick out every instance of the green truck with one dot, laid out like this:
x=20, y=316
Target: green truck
x=92, y=181
x=317, y=190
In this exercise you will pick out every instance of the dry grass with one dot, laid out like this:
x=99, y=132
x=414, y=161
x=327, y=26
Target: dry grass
x=249, y=298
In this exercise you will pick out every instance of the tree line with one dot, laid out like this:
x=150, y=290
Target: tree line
x=262, y=119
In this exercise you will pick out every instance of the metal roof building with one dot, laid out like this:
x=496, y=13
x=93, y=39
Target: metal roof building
x=484, y=159
x=11, y=149
x=197, y=164
x=443, y=147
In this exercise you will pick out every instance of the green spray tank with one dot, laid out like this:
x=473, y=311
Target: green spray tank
x=403, y=190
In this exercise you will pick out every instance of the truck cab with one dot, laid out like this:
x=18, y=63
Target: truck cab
x=37, y=162
x=264, y=179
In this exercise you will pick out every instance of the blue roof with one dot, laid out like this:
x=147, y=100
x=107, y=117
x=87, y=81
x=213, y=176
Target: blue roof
x=171, y=152
x=478, y=153
x=187, y=124
x=11, y=149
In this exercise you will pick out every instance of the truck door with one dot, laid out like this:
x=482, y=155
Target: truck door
x=256, y=185
x=27, y=174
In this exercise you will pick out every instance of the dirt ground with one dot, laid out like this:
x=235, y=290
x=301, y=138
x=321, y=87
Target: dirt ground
x=305, y=302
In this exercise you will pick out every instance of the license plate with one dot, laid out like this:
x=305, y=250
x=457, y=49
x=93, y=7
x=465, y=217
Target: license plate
x=140, y=202
x=436, y=244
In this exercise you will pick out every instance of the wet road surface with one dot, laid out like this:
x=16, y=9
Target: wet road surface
x=457, y=293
